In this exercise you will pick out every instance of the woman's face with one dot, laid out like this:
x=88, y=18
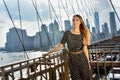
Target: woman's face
x=76, y=21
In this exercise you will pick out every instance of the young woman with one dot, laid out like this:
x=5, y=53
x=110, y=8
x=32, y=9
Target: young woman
x=77, y=40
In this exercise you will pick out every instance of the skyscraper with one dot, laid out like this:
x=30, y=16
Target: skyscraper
x=45, y=38
x=51, y=26
x=87, y=24
x=67, y=25
x=56, y=26
x=17, y=40
x=93, y=34
x=96, y=20
x=113, y=24
x=51, y=33
x=105, y=30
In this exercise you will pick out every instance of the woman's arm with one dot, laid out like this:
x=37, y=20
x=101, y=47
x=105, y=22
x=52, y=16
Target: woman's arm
x=58, y=47
x=85, y=49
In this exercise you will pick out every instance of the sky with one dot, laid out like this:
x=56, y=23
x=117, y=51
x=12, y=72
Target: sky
x=45, y=9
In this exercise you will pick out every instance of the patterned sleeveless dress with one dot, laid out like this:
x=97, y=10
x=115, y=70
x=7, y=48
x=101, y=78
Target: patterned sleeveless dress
x=78, y=63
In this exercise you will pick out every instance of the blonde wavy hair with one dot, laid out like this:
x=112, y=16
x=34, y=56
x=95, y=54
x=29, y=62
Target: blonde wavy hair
x=84, y=31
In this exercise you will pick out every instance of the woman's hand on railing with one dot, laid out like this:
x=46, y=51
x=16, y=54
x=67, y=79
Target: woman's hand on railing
x=44, y=55
x=90, y=67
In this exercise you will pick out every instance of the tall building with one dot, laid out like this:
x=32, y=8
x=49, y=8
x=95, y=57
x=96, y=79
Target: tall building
x=51, y=27
x=67, y=25
x=93, y=30
x=87, y=24
x=51, y=33
x=105, y=30
x=45, y=39
x=96, y=20
x=54, y=33
x=56, y=26
x=113, y=24
x=93, y=34
x=38, y=41
x=17, y=40
x=57, y=33
x=118, y=32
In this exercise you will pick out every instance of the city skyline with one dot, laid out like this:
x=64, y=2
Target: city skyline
x=50, y=36
x=30, y=24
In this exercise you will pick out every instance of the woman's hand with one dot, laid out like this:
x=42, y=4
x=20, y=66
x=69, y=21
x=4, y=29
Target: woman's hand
x=89, y=67
x=44, y=55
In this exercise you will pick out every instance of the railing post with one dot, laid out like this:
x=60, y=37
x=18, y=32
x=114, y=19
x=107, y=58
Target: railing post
x=65, y=52
x=4, y=77
x=52, y=74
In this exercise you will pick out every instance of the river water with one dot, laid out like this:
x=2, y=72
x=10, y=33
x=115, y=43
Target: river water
x=7, y=57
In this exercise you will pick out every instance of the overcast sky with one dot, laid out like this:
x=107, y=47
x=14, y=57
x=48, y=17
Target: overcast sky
x=28, y=14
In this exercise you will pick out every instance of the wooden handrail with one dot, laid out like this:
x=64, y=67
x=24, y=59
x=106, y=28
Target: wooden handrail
x=108, y=63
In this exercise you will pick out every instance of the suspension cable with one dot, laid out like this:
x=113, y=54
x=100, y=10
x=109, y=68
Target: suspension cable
x=60, y=12
x=82, y=8
x=41, y=22
x=78, y=5
x=114, y=10
x=38, y=26
x=15, y=28
x=72, y=6
x=55, y=13
x=66, y=4
x=65, y=9
x=51, y=22
x=21, y=26
x=37, y=12
x=50, y=12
